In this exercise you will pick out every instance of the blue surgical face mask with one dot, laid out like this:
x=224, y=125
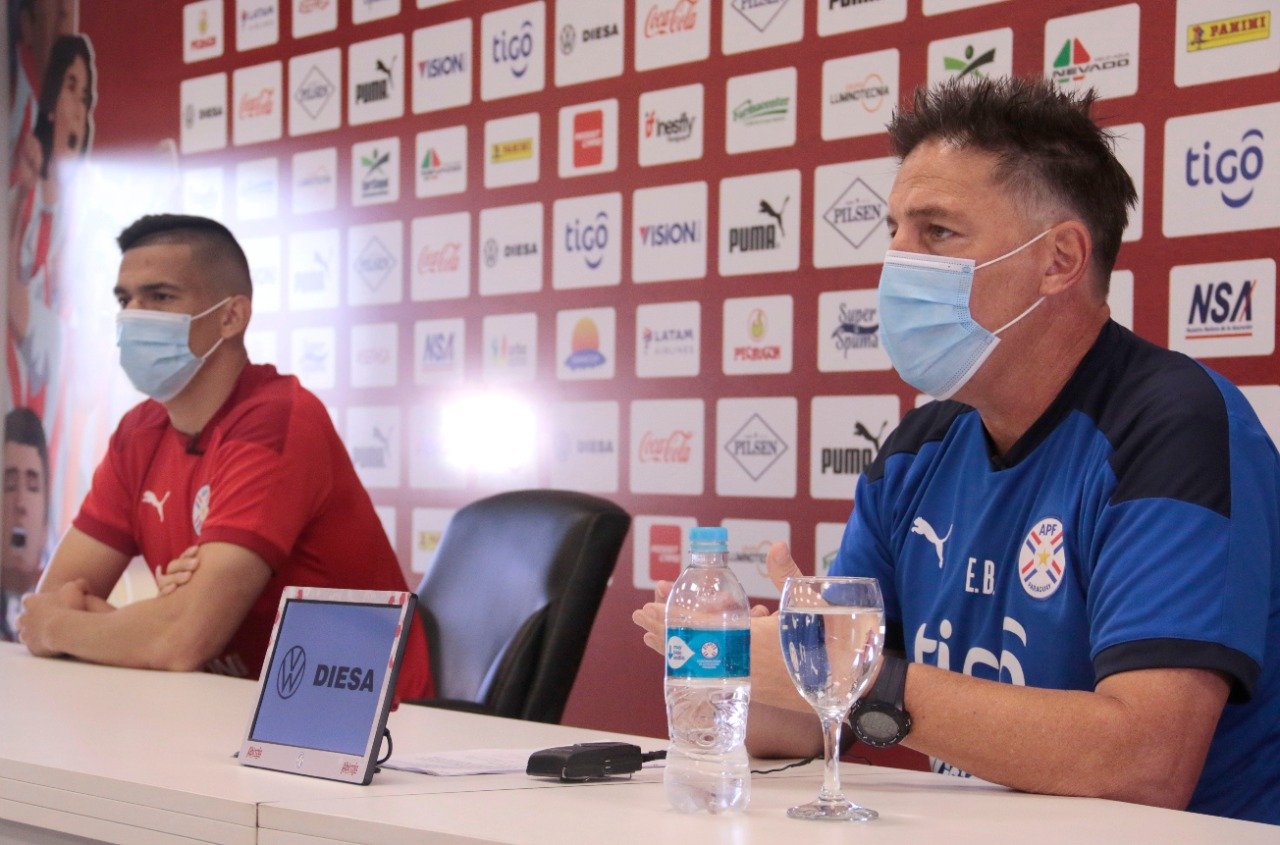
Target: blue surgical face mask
x=925, y=322
x=155, y=350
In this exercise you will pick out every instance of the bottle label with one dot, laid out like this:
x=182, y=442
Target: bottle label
x=702, y=653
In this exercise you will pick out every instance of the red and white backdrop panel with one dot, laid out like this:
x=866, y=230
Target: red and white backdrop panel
x=631, y=247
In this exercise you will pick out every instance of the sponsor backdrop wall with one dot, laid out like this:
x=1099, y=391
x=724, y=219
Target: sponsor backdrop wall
x=631, y=248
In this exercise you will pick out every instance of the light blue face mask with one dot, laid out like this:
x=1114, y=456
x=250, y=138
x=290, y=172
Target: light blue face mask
x=931, y=337
x=155, y=350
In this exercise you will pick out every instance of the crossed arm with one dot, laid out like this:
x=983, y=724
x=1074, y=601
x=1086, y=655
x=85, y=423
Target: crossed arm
x=1139, y=736
x=178, y=631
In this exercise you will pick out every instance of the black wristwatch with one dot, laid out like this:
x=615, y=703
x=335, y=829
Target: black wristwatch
x=879, y=719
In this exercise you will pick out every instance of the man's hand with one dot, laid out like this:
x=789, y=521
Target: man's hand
x=178, y=571
x=40, y=612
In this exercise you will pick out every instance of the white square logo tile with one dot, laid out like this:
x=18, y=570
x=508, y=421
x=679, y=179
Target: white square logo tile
x=760, y=223
x=511, y=249
x=202, y=32
x=1120, y=297
x=1130, y=150
x=1096, y=50
x=588, y=138
x=266, y=269
x=373, y=437
x=439, y=351
x=671, y=32
x=858, y=94
x=442, y=63
x=938, y=7
x=668, y=339
x=850, y=204
x=375, y=80
x=586, y=344
x=312, y=17
x=257, y=23
x=749, y=542
x=440, y=250
x=756, y=447
x=584, y=446
x=375, y=172
x=979, y=55
x=203, y=192
x=671, y=125
x=586, y=241
x=314, y=264
x=257, y=189
x=431, y=466
x=669, y=233
x=845, y=436
x=826, y=545
x=1223, y=310
x=1265, y=399
x=363, y=11
x=204, y=113
x=376, y=274
x=760, y=111
x=589, y=39
x=754, y=24
x=757, y=335
x=315, y=92
x=849, y=332
x=256, y=93
x=659, y=549
x=1225, y=39
x=1216, y=173
x=512, y=149
x=668, y=439
x=510, y=347
x=513, y=51
x=315, y=180
x=374, y=355
x=312, y=357
x=440, y=164
x=836, y=16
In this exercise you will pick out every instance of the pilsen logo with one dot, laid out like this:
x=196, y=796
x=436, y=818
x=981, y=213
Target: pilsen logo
x=446, y=259
x=257, y=105
x=759, y=13
x=673, y=448
x=857, y=213
x=377, y=89
x=314, y=92
x=755, y=447
x=375, y=263
x=757, y=329
x=670, y=18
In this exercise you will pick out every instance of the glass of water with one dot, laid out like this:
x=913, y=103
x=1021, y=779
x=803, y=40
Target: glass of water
x=832, y=635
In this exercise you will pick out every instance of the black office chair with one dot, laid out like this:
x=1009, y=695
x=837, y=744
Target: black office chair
x=509, y=602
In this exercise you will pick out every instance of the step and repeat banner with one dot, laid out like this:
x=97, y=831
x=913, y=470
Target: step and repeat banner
x=628, y=247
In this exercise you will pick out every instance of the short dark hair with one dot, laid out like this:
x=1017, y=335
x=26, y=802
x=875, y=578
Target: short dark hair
x=65, y=50
x=23, y=426
x=1044, y=141
x=208, y=236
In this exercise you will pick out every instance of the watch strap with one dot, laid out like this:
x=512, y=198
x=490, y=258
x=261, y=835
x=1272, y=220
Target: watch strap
x=891, y=685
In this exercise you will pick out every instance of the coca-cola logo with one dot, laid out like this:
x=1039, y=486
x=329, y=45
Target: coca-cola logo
x=674, y=448
x=668, y=19
x=446, y=259
x=257, y=105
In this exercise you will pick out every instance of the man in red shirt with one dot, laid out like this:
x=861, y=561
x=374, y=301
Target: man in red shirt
x=227, y=456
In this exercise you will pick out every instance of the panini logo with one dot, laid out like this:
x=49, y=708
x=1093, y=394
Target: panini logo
x=517, y=150
x=1226, y=32
x=752, y=113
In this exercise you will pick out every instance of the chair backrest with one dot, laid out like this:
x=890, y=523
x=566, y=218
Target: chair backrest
x=512, y=595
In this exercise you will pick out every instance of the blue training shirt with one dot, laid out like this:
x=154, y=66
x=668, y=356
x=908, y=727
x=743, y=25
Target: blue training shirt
x=1135, y=525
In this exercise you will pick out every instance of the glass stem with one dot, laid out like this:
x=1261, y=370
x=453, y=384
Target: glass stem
x=831, y=755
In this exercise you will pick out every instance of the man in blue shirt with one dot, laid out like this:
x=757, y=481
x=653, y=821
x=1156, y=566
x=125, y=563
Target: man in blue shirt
x=1079, y=549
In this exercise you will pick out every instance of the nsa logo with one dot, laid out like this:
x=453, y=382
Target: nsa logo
x=1042, y=560
x=292, y=670
x=856, y=213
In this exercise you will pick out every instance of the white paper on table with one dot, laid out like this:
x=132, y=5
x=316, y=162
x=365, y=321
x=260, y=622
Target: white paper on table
x=475, y=761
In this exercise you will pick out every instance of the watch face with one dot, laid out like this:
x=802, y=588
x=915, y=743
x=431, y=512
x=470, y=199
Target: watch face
x=878, y=724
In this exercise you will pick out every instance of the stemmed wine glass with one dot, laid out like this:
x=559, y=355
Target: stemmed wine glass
x=832, y=633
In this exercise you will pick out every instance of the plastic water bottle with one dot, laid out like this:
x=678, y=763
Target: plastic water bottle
x=708, y=681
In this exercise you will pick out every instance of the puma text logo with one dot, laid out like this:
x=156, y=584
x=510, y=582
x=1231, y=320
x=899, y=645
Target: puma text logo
x=925, y=530
x=149, y=498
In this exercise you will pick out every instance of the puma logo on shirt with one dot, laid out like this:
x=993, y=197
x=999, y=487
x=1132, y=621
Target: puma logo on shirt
x=925, y=530
x=149, y=498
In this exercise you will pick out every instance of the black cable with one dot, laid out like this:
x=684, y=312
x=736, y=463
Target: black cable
x=653, y=755
x=806, y=761
x=386, y=733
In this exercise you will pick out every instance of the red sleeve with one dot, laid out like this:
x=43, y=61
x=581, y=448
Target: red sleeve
x=107, y=512
x=272, y=472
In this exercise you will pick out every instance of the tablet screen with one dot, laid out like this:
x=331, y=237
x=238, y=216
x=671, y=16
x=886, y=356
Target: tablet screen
x=325, y=676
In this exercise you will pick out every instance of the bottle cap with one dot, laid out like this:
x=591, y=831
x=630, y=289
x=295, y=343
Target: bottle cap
x=706, y=539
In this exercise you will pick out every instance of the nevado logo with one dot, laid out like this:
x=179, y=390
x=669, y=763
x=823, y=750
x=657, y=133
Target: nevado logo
x=1074, y=62
x=514, y=49
x=314, y=92
x=1232, y=171
x=758, y=237
x=433, y=166
x=589, y=239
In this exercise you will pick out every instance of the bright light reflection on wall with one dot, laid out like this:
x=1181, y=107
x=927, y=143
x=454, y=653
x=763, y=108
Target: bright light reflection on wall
x=491, y=433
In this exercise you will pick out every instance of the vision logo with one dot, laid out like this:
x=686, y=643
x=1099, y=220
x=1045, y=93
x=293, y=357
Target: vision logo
x=971, y=62
x=750, y=113
x=314, y=93
x=760, y=237
x=1226, y=32
x=759, y=13
x=1224, y=168
x=591, y=239
x=853, y=460
x=438, y=66
x=377, y=89
x=585, y=346
x=668, y=234
x=856, y=213
x=1221, y=310
x=293, y=668
x=514, y=50
x=857, y=328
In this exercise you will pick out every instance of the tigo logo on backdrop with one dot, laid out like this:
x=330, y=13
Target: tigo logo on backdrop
x=1109, y=64
x=846, y=435
x=757, y=335
x=256, y=101
x=204, y=113
x=589, y=40
x=589, y=138
x=439, y=351
x=375, y=171
x=589, y=239
x=586, y=249
x=375, y=252
x=670, y=125
x=858, y=93
x=511, y=144
x=442, y=66
x=671, y=32
x=257, y=23
x=314, y=183
x=1222, y=310
x=849, y=332
x=761, y=111
x=759, y=223
x=669, y=225
x=667, y=342
x=667, y=446
x=441, y=159
x=201, y=31
x=1216, y=177
x=511, y=249
x=755, y=457
x=980, y=55
x=512, y=46
x=375, y=80
x=441, y=249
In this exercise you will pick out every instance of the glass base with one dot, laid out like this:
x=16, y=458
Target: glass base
x=832, y=811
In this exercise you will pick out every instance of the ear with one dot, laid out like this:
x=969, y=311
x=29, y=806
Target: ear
x=1069, y=251
x=235, y=315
